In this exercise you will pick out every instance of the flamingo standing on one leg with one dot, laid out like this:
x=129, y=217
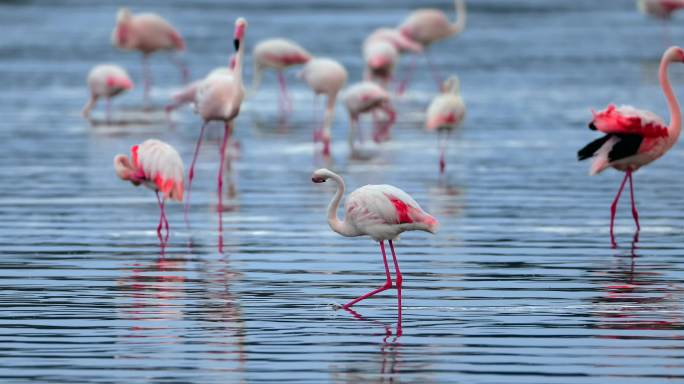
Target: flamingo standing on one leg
x=660, y=9
x=380, y=57
x=634, y=138
x=325, y=76
x=159, y=167
x=277, y=54
x=427, y=26
x=219, y=98
x=446, y=113
x=105, y=80
x=147, y=33
x=366, y=97
x=382, y=212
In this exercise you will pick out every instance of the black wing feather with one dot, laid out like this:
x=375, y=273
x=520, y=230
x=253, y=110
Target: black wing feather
x=627, y=146
x=591, y=148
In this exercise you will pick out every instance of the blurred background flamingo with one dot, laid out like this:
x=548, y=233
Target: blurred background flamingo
x=368, y=97
x=445, y=114
x=105, y=80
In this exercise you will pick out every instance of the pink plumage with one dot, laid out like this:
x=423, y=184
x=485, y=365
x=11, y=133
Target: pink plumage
x=445, y=114
x=382, y=212
x=661, y=9
x=634, y=138
x=394, y=37
x=368, y=97
x=105, y=80
x=381, y=57
x=427, y=26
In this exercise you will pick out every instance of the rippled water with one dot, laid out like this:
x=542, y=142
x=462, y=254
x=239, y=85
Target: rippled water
x=520, y=285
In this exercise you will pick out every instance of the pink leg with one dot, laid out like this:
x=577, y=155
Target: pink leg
x=434, y=71
x=442, y=150
x=407, y=78
x=285, y=98
x=147, y=79
x=185, y=73
x=108, y=104
x=161, y=218
x=166, y=222
x=191, y=174
x=613, y=208
x=386, y=286
x=398, y=279
x=317, y=133
x=224, y=144
x=635, y=214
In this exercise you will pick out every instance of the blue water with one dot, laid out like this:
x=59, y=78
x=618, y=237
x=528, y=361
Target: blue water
x=519, y=286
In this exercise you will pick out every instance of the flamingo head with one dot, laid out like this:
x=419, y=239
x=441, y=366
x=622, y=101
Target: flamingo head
x=674, y=54
x=123, y=15
x=240, y=26
x=119, y=82
x=123, y=167
x=452, y=85
x=321, y=175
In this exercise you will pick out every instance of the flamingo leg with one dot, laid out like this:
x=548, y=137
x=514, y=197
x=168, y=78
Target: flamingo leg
x=147, y=78
x=161, y=219
x=286, y=103
x=442, y=149
x=407, y=78
x=108, y=108
x=635, y=214
x=316, y=121
x=166, y=221
x=384, y=287
x=433, y=69
x=191, y=173
x=182, y=67
x=613, y=209
x=398, y=280
x=224, y=145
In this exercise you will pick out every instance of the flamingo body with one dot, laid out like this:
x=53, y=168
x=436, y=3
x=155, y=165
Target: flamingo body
x=365, y=97
x=427, y=26
x=105, y=80
x=279, y=54
x=447, y=110
x=381, y=57
x=634, y=138
x=145, y=32
x=396, y=38
x=661, y=9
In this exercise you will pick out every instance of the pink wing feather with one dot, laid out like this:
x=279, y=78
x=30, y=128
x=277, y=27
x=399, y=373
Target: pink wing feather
x=629, y=120
x=161, y=165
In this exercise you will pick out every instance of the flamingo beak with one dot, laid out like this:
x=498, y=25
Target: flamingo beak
x=317, y=179
x=236, y=44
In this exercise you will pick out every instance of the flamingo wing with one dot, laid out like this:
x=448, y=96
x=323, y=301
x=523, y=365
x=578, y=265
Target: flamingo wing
x=161, y=164
x=383, y=204
x=446, y=111
x=628, y=120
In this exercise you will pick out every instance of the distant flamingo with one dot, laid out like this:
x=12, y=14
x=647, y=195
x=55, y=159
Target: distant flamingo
x=382, y=212
x=445, y=113
x=381, y=57
x=661, y=9
x=159, y=167
x=106, y=80
x=634, y=138
x=325, y=76
x=147, y=33
x=427, y=26
x=277, y=54
x=367, y=97
x=393, y=36
x=219, y=98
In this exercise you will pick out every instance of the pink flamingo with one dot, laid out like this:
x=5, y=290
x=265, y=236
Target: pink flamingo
x=382, y=212
x=393, y=36
x=325, y=76
x=105, y=80
x=446, y=113
x=219, y=98
x=381, y=57
x=277, y=54
x=661, y=9
x=147, y=33
x=634, y=137
x=426, y=27
x=367, y=97
x=159, y=167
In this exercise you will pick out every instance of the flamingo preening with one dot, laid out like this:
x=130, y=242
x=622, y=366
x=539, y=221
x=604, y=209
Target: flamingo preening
x=634, y=137
x=277, y=54
x=159, y=167
x=381, y=57
x=428, y=26
x=445, y=114
x=219, y=97
x=382, y=212
x=365, y=97
x=147, y=33
x=105, y=80
x=325, y=76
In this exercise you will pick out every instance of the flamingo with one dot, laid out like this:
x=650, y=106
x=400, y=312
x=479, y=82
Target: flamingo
x=325, y=76
x=159, y=167
x=661, y=9
x=381, y=57
x=105, y=80
x=277, y=54
x=634, y=137
x=446, y=113
x=393, y=36
x=219, y=98
x=427, y=26
x=147, y=33
x=367, y=97
x=381, y=212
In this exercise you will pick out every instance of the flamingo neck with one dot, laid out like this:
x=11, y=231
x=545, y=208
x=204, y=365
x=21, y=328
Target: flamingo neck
x=337, y=225
x=238, y=62
x=675, y=127
x=256, y=79
x=461, y=16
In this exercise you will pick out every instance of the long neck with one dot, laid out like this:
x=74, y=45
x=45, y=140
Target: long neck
x=675, y=127
x=256, y=79
x=238, y=62
x=337, y=225
x=88, y=106
x=461, y=16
